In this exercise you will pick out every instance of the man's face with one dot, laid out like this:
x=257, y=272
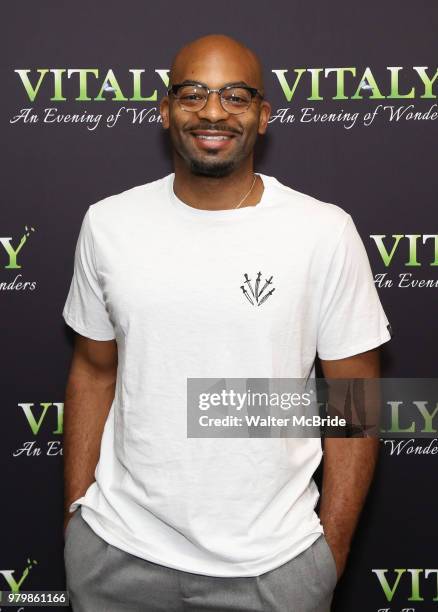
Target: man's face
x=188, y=129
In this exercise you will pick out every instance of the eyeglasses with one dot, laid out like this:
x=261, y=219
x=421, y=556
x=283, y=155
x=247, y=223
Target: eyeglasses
x=234, y=99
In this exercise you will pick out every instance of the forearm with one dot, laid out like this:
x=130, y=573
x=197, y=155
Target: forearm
x=88, y=399
x=349, y=465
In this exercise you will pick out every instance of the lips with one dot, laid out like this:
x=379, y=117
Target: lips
x=212, y=139
x=213, y=133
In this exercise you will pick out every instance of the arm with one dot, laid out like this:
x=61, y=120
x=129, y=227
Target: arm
x=348, y=465
x=88, y=398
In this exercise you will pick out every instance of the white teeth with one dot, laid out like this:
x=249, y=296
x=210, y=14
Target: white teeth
x=212, y=137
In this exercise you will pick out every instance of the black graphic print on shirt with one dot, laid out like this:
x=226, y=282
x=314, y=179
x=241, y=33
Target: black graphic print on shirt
x=258, y=292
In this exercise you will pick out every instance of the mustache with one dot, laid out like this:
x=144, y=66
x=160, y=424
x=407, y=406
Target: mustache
x=213, y=128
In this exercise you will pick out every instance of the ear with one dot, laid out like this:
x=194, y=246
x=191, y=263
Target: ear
x=265, y=113
x=164, y=112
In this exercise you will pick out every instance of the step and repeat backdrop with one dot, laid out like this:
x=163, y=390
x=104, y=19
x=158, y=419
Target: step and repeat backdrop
x=353, y=89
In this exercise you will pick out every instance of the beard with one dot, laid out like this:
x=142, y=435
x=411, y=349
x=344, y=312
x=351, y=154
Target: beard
x=212, y=168
x=210, y=164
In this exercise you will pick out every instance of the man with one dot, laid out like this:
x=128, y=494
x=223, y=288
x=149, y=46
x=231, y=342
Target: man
x=211, y=272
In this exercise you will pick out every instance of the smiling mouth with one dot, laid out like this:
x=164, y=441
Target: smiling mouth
x=212, y=141
x=204, y=137
x=212, y=135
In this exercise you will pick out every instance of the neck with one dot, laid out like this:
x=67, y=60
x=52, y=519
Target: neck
x=213, y=193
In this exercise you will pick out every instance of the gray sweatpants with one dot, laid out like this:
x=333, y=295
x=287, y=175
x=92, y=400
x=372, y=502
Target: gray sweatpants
x=103, y=578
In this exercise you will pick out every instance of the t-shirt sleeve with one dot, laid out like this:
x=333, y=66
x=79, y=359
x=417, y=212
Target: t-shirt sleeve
x=351, y=317
x=84, y=309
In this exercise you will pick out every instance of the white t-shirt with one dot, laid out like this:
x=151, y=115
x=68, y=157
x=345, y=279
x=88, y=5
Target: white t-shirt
x=164, y=279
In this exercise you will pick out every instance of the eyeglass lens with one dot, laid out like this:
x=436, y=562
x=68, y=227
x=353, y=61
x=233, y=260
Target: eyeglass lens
x=194, y=97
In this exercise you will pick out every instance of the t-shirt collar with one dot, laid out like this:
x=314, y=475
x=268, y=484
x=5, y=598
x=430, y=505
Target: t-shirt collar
x=231, y=213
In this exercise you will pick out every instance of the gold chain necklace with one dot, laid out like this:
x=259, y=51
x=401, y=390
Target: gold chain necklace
x=244, y=198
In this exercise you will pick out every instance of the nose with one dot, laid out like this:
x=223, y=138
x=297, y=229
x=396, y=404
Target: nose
x=213, y=110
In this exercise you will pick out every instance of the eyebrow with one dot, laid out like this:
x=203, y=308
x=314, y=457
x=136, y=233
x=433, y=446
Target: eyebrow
x=235, y=83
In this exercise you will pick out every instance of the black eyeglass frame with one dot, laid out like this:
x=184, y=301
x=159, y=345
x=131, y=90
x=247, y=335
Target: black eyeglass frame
x=173, y=89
